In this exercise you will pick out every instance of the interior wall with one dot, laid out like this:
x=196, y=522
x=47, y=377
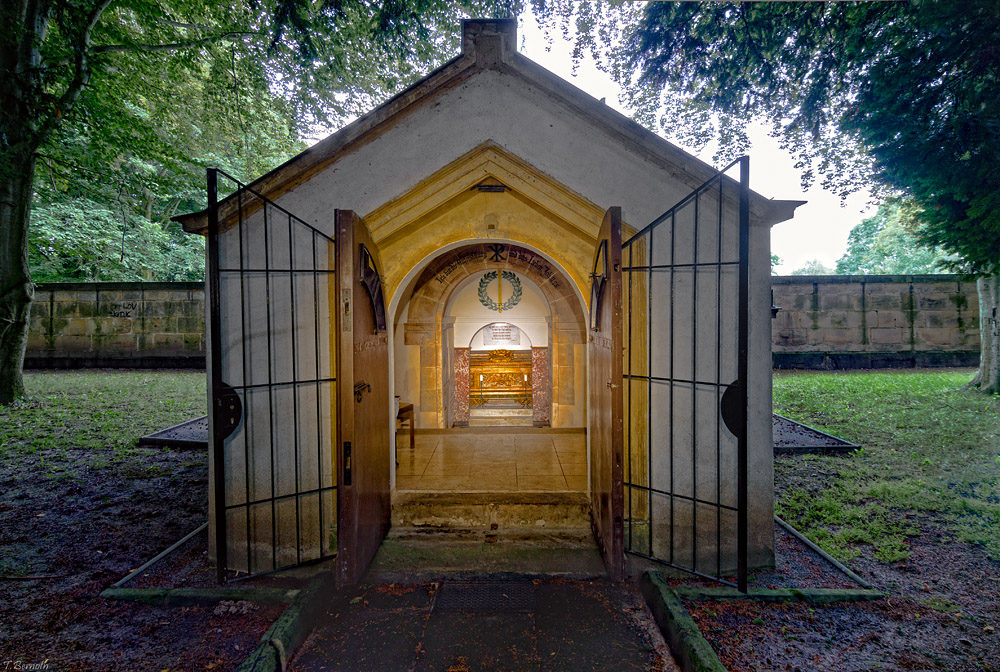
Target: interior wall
x=530, y=315
x=406, y=365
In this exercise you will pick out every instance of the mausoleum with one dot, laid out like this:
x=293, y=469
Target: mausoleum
x=506, y=254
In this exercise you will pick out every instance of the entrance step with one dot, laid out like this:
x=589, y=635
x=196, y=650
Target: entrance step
x=500, y=512
x=417, y=555
x=500, y=417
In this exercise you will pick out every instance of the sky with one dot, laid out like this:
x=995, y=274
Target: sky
x=820, y=227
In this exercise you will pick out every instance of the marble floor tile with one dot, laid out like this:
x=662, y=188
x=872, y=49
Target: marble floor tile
x=541, y=483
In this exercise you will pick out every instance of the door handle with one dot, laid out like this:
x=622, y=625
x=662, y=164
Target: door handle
x=360, y=388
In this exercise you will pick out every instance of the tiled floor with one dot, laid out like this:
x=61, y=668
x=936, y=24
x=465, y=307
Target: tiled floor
x=529, y=462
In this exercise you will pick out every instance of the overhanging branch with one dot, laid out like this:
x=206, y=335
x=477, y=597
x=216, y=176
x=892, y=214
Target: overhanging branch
x=188, y=44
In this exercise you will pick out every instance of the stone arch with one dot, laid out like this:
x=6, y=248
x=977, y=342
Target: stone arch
x=427, y=328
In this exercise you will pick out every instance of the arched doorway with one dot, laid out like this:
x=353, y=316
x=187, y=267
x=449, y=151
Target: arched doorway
x=440, y=311
x=475, y=356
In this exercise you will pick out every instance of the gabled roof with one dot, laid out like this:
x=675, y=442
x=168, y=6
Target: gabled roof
x=486, y=45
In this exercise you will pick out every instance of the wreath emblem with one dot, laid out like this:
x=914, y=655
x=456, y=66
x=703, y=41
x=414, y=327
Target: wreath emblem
x=489, y=302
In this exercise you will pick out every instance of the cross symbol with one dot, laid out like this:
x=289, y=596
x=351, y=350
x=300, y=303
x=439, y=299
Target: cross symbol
x=497, y=251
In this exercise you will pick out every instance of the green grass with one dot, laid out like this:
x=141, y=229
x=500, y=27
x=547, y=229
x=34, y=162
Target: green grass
x=927, y=445
x=103, y=412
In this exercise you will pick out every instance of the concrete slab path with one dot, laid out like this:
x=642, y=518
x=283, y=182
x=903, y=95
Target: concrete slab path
x=513, y=625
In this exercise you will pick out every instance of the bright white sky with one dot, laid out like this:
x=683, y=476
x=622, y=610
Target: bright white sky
x=820, y=227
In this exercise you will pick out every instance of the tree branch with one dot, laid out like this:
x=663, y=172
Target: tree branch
x=81, y=76
x=108, y=48
x=179, y=24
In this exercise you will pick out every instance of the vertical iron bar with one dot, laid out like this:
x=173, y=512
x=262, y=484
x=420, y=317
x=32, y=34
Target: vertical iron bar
x=270, y=389
x=670, y=411
x=215, y=361
x=718, y=387
x=294, y=330
x=245, y=341
x=649, y=390
x=694, y=384
x=628, y=418
x=319, y=407
x=744, y=344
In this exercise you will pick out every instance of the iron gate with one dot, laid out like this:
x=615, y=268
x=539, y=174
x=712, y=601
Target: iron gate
x=686, y=291
x=272, y=376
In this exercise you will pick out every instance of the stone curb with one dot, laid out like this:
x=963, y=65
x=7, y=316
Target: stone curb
x=691, y=650
x=192, y=597
x=810, y=595
x=281, y=639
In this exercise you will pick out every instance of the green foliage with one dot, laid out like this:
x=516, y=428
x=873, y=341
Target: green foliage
x=898, y=94
x=920, y=99
x=130, y=103
x=775, y=262
x=886, y=243
x=813, y=267
x=928, y=449
x=80, y=240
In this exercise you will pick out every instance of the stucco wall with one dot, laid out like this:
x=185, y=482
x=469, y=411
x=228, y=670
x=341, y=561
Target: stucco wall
x=875, y=321
x=153, y=324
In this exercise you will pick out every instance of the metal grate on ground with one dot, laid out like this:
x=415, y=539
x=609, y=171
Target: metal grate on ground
x=190, y=434
x=508, y=597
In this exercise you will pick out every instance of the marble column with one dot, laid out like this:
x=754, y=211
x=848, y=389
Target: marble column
x=460, y=388
x=541, y=388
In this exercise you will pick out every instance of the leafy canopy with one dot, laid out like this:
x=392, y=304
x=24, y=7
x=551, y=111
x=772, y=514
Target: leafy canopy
x=902, y=95
x=905, y=93
x=175, y=86
x=885, y=244
x=813, y=267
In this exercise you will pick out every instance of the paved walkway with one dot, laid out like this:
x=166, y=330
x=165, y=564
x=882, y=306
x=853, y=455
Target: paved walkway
x=515, y=625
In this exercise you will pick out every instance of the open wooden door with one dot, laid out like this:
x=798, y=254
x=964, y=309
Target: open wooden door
x=363, y=451
x=606, y=406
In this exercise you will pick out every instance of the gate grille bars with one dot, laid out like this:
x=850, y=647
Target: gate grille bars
x=686, y=290
x=272, y=377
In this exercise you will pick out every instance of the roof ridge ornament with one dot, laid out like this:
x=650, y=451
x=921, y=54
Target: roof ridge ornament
x=489, y=40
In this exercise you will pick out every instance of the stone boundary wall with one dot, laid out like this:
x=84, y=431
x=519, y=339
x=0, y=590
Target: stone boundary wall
x=117, y=325
x=877, y=321
x=824, y=322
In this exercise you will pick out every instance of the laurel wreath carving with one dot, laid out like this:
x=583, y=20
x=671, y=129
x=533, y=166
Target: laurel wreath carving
x=489, y=302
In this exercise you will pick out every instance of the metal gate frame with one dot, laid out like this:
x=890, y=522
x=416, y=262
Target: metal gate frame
x=228, y=402
x=732, y=397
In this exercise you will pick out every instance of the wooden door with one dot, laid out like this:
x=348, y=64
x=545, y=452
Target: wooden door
x=363, y=450
x=606, y=406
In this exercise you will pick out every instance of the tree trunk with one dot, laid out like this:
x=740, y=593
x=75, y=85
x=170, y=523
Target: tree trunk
x=16, y=291
x=988, y=378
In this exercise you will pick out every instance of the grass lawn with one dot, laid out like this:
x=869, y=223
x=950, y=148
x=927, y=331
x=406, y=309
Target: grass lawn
x=927, y=445
x=97, y=410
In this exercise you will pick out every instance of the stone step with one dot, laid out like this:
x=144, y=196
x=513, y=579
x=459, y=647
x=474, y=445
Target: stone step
x=498, y=512
x=510, y=412
x=420, y=555
x=500, y=422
